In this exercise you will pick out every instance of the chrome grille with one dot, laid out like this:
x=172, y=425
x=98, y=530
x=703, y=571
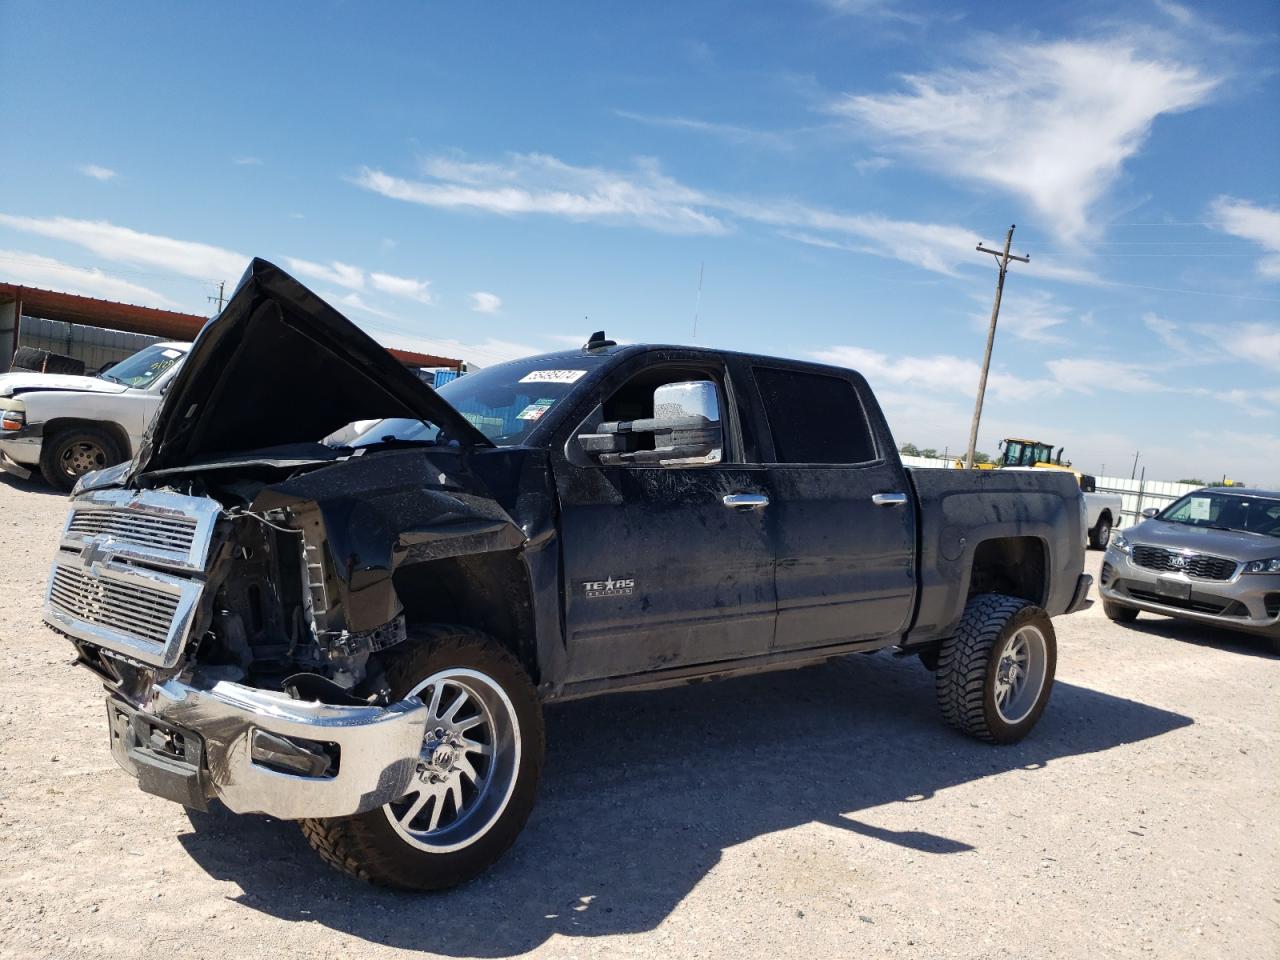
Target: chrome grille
x=129, y=572
x=134, y=609
x=1199, y=565
x=166, y=533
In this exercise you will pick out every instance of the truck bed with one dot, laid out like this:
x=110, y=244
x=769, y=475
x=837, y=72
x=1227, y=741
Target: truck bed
x=957, y=511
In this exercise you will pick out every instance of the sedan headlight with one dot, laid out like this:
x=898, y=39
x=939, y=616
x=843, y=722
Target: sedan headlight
x=1121, y=543
x=1263, y=566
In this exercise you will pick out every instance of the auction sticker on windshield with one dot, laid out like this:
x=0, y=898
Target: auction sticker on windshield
x=553, y=376
x=535, y=410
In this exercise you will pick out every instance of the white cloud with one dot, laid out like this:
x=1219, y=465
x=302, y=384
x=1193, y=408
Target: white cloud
x=732, y=132
x=1087, y=374
x=343, y=274
x=939, y=373
x=1167, y=332
x=539, y=184
x=407, y=287
x=484, y=353
x=869, y=165
x=1240, y=218
x=1034, y=316
x=34, y=270
x=122, y=245
x=1254, y=342
x=355, y=301
x=482, y=302
x=247, y=162
x=1051, y=122
x=97, y=172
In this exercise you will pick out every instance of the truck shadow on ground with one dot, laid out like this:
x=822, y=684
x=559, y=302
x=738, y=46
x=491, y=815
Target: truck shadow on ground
x=642, y=792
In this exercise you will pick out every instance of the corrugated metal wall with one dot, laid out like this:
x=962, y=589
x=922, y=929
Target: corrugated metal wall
x=93, y=345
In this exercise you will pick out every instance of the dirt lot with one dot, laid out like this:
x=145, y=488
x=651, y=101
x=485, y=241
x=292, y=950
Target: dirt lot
x=820, y=813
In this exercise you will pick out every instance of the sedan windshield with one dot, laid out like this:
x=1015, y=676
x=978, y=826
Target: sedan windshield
x=144, y=367
x=1226, y=511
x=505, y=402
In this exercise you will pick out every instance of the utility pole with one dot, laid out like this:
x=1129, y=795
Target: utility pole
x=219, y=298
x=1134, y=472
x=1002, y=260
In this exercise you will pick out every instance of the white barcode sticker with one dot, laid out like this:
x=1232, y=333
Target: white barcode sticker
x=553, y=376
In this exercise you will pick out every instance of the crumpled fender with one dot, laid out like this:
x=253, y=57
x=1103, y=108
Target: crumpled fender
x=391, y=509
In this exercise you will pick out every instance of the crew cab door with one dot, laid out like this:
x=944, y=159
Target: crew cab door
x=840, y=506
x=664, y=566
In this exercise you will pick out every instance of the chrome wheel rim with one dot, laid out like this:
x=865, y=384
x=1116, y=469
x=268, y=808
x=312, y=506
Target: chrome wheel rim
x=1020, y=674
x=82, y=457
x=467, y=766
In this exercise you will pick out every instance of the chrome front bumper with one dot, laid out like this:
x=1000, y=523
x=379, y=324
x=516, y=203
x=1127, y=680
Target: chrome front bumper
x=189, y=744
x=1241, y=602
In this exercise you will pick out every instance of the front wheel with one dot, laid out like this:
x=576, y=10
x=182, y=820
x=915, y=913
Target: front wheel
x=1118, y=612
x=67, y=456
x=477, y=773
x=995, y=675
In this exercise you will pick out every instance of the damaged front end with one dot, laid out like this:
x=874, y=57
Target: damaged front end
x=239, y=607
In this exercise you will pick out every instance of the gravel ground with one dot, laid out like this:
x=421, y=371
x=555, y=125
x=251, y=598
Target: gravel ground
x=817, y=813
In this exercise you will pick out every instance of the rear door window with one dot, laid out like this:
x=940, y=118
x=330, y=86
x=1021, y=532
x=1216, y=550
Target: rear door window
x=814, y=418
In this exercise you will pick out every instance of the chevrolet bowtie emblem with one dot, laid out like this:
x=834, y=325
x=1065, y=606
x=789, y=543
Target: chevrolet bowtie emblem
x=95, y=552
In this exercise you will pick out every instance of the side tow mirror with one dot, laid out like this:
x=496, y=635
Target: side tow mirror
x=685, y=428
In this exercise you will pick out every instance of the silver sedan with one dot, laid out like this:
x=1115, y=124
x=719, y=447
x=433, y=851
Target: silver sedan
x=1212, y=556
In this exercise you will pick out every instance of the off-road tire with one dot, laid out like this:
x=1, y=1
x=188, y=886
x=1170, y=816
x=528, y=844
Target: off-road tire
x=1118, y=612
x=967, y=665
x=367, y=847
x=53, y=448
x=1100, y=535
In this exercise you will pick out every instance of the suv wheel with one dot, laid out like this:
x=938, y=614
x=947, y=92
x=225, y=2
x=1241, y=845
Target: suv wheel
x=477, y=773
x=995, y=675
x=1119, y=612
x=67, y=456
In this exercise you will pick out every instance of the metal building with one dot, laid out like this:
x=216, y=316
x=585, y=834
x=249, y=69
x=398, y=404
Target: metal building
x=100, y=331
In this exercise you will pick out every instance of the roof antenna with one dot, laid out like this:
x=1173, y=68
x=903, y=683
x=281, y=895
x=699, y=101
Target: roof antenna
x=597, y=341
x=697, y=304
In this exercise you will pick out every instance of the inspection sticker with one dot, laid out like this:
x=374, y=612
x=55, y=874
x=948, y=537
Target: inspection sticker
x=553, y=376
x=535, y=410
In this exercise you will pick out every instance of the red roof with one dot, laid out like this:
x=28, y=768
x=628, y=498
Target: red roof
x=73, y=308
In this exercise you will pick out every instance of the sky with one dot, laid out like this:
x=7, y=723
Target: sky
x=485, y=181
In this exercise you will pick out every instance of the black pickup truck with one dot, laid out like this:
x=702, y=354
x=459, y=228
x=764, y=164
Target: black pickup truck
x=360, y=634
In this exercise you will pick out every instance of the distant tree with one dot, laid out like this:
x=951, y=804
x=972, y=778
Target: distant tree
x=1198, y=483
x=980, y=457
x=930, y=452
x=910, y=450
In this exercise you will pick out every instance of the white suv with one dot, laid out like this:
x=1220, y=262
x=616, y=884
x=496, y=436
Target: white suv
x=65, y=426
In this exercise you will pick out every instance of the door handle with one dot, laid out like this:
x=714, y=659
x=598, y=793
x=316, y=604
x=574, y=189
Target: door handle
x=889, y=499
x=745, y=501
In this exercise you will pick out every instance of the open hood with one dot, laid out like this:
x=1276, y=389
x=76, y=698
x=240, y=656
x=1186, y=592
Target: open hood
x=279, y=366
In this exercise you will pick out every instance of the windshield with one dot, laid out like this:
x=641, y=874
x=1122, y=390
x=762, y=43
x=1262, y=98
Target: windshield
x=504, y=402
x=144, y=367
x=1226, y=511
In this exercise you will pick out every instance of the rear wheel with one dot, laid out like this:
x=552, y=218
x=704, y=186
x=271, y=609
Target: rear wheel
x=69, y=455
x=995, y=675
x=1119, y=612
x=477, y=772
x=1100, y=535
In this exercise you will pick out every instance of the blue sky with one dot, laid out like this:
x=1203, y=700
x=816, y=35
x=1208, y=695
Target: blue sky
x=491, y=180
